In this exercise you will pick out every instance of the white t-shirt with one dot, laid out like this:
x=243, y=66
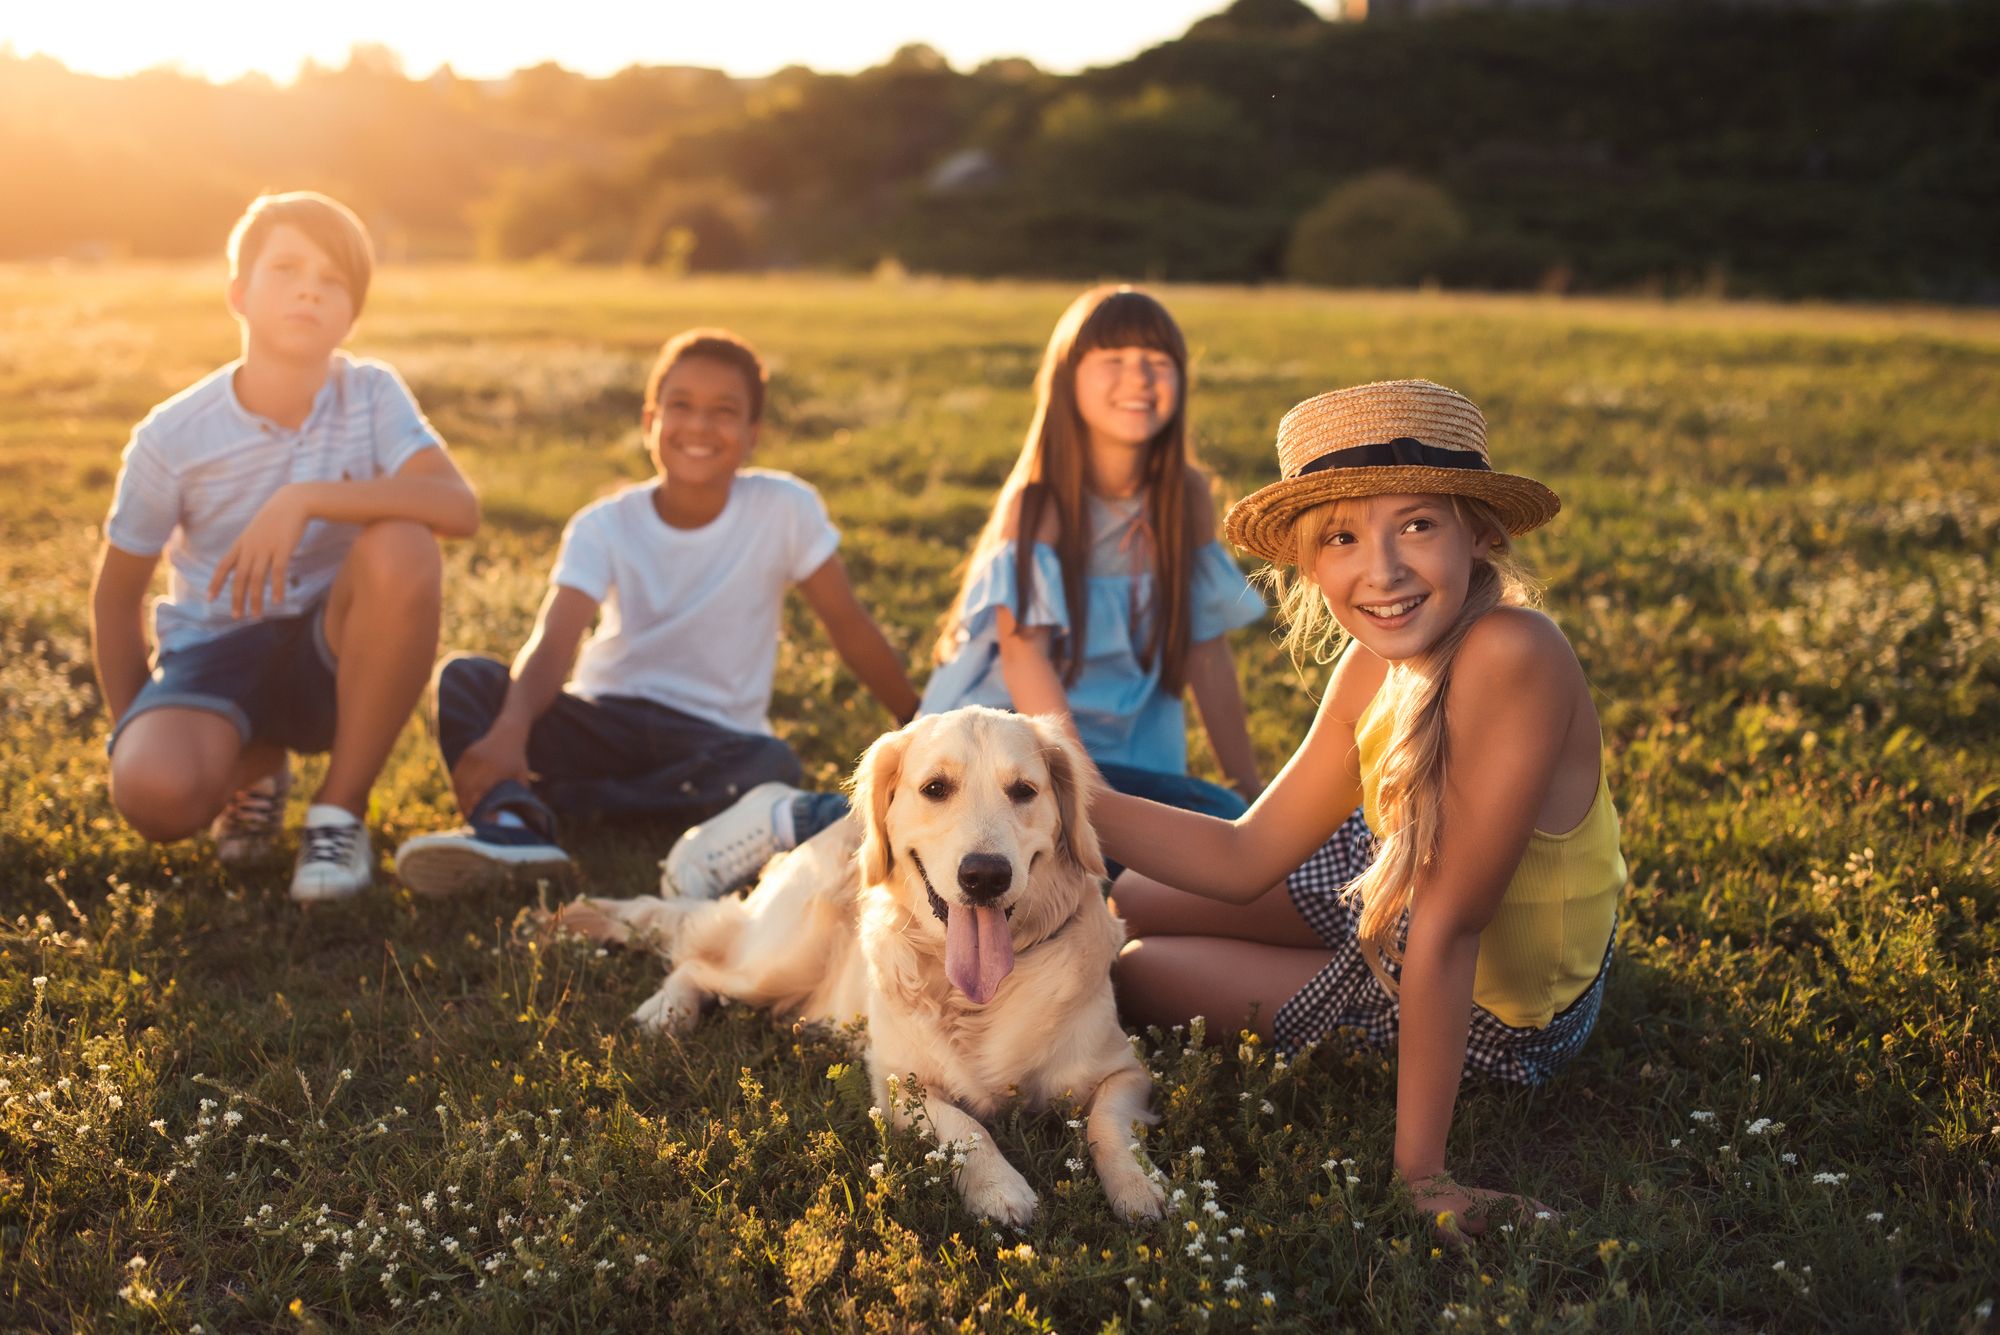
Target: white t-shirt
x=690, y=616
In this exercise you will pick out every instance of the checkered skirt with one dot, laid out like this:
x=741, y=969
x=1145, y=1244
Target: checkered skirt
x=1345, y=995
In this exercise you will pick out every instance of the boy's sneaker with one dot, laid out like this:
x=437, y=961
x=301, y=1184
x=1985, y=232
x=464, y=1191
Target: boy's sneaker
x=335, y=859
x=728, y=849
x=256, y=812
x=477, y=857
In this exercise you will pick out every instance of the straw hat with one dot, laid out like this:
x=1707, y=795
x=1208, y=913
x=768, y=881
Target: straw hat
x=1378, y=440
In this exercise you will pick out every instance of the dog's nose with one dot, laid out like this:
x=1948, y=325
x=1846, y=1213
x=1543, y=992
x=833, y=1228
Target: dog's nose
x=984, y=876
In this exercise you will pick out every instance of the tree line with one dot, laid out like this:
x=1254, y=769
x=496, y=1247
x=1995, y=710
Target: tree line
x=1844, y=151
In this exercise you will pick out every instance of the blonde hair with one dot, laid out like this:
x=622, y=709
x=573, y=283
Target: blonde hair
x=1052, y=471
x=1409, y=797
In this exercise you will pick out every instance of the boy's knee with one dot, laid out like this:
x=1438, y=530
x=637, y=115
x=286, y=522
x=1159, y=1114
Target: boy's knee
x=161, y=803
x=399, y=557
x=470, y=677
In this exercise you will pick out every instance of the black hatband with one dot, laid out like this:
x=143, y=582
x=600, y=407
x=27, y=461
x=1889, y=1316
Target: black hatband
x=1402, y=452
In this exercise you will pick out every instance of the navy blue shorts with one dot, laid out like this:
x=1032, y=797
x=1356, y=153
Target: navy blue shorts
x=274, y=679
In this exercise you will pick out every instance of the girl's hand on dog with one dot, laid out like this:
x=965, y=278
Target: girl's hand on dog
x=1457, y=1213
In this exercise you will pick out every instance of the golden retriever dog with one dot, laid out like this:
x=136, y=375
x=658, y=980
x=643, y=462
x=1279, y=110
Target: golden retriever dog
x=960, y=912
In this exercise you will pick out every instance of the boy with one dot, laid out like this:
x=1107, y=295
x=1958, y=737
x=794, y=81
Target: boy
x=665, y=713
x=298, y=494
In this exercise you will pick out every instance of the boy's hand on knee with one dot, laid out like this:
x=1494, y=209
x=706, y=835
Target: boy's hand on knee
x=488, y=762
x=262, y=555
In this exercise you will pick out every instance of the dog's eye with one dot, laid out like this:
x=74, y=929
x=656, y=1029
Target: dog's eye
x=1021, y=791
x=937, y=790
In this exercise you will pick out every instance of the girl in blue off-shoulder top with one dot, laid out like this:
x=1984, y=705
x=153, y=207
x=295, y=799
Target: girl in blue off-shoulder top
x=1115, y=609
x=1121, y=601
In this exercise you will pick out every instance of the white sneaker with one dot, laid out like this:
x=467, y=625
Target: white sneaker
x=729, y=849
x=335, y=859
x=255, y=814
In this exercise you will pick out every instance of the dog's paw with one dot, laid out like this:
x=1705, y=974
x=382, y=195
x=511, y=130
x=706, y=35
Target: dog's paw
x=668, y=1011
x=1135, y=1199
x=999, y=1194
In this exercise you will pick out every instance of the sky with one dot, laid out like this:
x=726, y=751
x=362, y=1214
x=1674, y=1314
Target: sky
x=223, y=39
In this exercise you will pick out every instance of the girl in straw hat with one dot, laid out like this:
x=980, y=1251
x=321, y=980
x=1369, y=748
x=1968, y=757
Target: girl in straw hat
x=1476, y=935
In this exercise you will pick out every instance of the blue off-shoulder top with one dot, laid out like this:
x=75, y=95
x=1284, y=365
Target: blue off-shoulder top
x=1121, y=713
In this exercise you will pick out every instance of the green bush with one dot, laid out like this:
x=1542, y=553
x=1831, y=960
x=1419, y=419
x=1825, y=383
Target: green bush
x=1381, y=229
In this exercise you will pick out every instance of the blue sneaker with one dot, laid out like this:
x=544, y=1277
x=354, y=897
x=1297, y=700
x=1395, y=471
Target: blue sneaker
x=478, y=857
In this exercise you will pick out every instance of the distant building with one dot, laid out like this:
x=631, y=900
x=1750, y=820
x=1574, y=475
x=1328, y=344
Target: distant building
x=967, y=169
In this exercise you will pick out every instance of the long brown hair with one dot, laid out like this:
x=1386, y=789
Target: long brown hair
x=1409, y=798
x=1053, y=470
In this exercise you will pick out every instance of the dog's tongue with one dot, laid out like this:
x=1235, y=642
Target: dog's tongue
x=978, y=952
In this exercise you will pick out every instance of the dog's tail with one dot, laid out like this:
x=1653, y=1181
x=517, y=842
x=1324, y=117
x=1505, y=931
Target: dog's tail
x=648, y=921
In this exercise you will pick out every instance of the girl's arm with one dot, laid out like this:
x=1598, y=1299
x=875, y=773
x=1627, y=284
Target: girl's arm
x=1033, y=683
x=1028, y=670
x=1236, y=861
x=1211, y=675
x=858, y=640
x=1510, y=704
x=1211, y=670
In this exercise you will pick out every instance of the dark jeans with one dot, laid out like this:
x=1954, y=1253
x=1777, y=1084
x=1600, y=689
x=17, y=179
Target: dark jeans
x=614, y=757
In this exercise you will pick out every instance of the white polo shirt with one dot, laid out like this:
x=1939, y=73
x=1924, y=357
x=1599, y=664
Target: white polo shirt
x=201, y=465
x=691, y=616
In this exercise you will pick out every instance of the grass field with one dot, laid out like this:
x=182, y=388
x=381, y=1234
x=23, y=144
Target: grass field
x=1777, y=561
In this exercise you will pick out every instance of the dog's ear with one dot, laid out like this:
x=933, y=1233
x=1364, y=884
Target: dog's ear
x=874, y=785
x=1075, y=779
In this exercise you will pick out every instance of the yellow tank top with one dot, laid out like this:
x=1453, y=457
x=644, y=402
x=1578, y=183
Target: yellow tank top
x=1547, y=941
